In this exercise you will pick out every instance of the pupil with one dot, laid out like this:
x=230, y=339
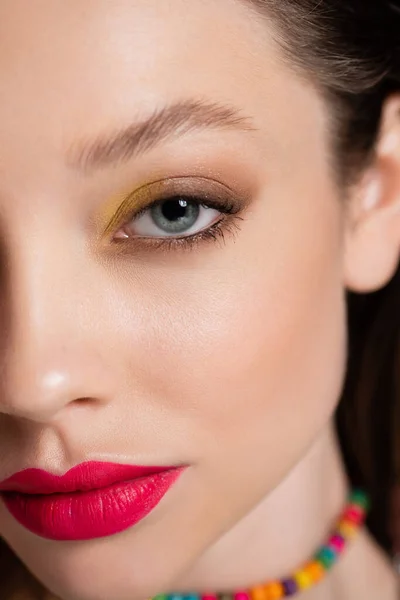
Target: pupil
x=176, y=215
x=174, y=209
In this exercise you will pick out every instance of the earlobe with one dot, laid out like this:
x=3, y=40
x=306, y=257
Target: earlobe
x=372, y=241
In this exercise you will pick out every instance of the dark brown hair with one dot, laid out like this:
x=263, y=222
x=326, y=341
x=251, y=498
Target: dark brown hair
x=350, y=49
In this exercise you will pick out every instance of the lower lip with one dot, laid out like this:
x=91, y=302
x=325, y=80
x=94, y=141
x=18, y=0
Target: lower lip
x=88, y=515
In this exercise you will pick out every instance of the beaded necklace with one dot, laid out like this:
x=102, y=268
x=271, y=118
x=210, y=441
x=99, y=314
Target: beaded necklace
x=309, y=574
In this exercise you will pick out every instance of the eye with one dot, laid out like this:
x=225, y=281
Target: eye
x=176, y=216
x=176, y=213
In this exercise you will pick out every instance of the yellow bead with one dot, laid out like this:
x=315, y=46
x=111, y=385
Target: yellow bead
x=259, y=593
x=303, y=580
x=347, y=529
x=315, y=571
x=274, y=591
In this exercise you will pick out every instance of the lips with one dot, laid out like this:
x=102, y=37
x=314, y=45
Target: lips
x=92, y=500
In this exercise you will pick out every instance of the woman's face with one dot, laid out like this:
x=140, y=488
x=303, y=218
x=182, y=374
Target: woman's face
x=222, y=351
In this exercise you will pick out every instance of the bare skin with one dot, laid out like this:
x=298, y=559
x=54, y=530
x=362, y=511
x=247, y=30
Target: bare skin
x=227, y=356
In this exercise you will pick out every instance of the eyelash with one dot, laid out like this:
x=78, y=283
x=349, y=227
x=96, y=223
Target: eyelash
x=228, y=224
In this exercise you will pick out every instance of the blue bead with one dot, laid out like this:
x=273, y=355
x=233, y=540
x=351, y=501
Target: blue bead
x=326, y=556
x=290, y=587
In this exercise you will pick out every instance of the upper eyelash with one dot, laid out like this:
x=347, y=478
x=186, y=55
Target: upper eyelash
x=221, y=205
x=229, y=223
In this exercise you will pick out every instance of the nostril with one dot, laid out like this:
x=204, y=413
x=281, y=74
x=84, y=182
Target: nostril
x=84, y=402
x=58, y=384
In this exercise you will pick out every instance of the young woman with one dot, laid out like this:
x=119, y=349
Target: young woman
x=200, y=238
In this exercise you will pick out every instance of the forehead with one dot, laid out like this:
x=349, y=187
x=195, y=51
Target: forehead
x=75, y=71
x=74, y=66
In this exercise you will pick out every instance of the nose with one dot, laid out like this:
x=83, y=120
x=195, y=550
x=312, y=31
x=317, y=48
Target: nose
x=50, y=359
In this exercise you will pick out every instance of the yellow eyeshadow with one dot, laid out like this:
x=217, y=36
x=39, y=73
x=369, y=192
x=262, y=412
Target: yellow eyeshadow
x=120, y=208
x=107, y=212
x=123, y=205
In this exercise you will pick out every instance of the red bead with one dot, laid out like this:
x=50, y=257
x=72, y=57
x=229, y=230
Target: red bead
x=354, y=514
x=337, y=543
x=241, y=596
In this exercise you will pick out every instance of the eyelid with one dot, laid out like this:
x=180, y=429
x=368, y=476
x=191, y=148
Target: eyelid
x=146, y=196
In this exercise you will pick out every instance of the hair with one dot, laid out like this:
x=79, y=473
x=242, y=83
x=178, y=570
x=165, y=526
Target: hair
x=350, y=49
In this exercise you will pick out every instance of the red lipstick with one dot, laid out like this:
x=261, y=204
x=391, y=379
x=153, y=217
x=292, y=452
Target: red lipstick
x=92, y=500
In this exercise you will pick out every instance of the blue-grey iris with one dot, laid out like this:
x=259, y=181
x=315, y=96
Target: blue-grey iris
x=175, y=215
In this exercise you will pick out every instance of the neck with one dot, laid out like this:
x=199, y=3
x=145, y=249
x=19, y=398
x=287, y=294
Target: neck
x=273, y=541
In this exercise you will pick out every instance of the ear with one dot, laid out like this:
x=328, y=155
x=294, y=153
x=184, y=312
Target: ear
x=372, y=240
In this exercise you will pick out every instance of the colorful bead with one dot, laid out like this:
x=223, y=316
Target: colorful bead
x=290, y=587
x=225, y=597
x=346, y=529
x=241, y=596
x=315, y=571
x=359, y=497
x=259, y=593
x=312, y=572
x=274, y=591
x=326, y=556
x=303, y=580
x=337, y=543
x=354, y=514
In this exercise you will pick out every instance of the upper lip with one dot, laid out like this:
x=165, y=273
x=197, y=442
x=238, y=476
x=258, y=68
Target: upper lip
x=81, y=478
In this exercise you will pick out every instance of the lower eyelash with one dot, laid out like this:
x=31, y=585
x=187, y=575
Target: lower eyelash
x=227, y=225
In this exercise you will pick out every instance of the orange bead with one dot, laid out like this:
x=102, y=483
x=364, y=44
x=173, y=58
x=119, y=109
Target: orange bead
x=315, y=570
x=347, y=529
x=259, y=593
x=274, y=591
x=303, y=580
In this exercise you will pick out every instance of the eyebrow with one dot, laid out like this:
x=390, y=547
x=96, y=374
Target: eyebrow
x=177, y=119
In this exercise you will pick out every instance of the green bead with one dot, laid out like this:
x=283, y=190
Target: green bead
x=161, y=597
x=326, y=557
x=361, y=498
x=225, y=596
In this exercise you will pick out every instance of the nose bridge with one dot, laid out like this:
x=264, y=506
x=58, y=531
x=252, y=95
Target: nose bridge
x=44, y=369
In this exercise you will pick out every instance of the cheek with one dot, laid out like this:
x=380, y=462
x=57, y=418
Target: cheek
x=250, y=348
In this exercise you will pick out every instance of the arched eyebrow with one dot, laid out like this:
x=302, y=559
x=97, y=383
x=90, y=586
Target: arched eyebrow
x=171, y=121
